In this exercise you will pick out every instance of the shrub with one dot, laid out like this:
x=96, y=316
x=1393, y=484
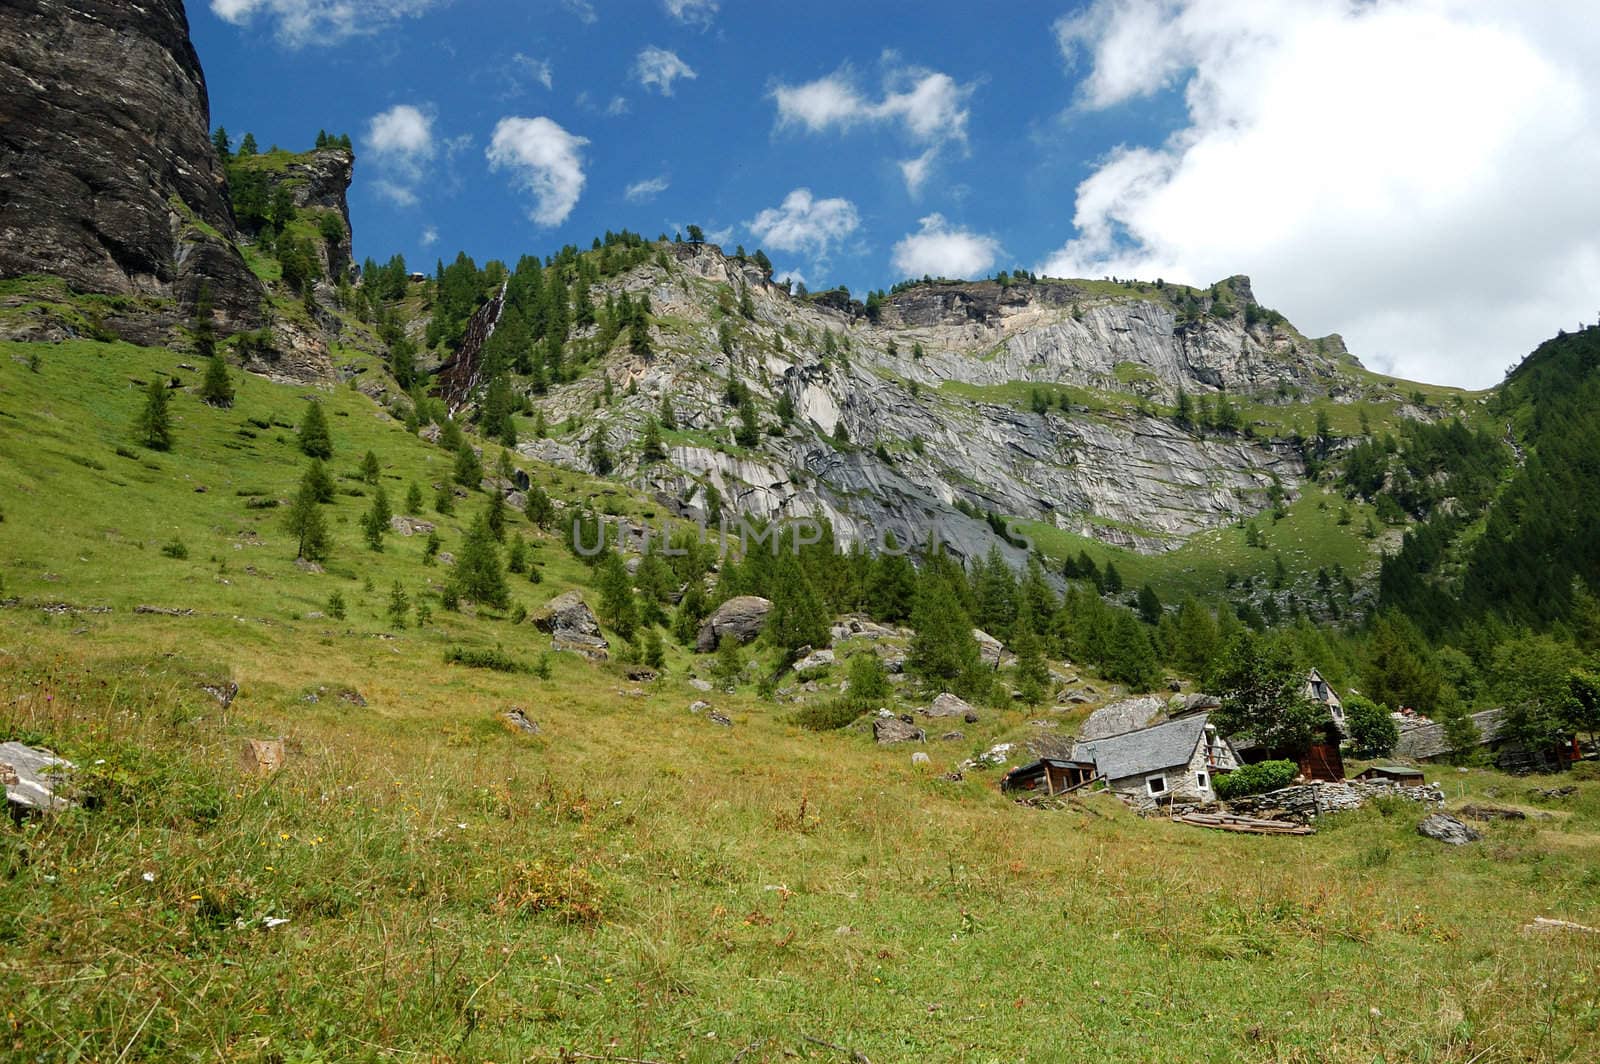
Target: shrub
x=1256, y=779
x=497, y=660
x=175, y=549
x=831, y=715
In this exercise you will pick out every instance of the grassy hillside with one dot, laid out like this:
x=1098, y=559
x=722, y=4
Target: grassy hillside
x=634, y=882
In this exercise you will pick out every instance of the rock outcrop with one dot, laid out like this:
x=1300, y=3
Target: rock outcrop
x=110, y=179
x=572, y=626
x=1446, y=829
x=741, y=618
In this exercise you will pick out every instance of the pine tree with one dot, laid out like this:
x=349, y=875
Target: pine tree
x=478, y=576
x=304, y=521
x=540, y=510
x=728, y=667
x=413, y=499
x=494, y=512
x=154, y=423
x=617, y=604
x=749, y=432
x=651, y=447
x=600, y=455
x=517, y=556
x=316, y=475
x=217, y=388
x=315, y=439
x=220, y=141
x=669, y=420
x=797, y=618
x=943, y=651
x=1149, y=605
x=247, y=146
x=1033, y=675
x=376, y=520
x=892, y=586
x=444, y=500
x=995, y=591
x=1129, y=654
x=468, y=468
x=369, y=468
x=399, y=605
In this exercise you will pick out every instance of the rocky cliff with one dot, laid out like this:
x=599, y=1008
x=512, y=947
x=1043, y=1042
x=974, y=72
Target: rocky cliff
x=919, y=422
x=107, y=175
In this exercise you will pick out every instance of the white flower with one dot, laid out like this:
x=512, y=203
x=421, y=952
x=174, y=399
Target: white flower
x=269, y=922
x=149, y=877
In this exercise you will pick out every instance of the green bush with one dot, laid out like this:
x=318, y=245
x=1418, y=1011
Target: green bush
x=1256, y=779
x=497, y=660
x=175, y=549
x=831, y=715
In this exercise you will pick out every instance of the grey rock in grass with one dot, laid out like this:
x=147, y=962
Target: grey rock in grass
x=947, y=705
x=742, y=618
x=890, y=730
x=1446, y=829
x=32, y=776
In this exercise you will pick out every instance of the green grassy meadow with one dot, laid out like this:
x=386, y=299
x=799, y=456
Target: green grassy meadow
x=633, y=883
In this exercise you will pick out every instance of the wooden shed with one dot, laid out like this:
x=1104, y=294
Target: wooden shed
x=1053, y=775
x=1403, y=775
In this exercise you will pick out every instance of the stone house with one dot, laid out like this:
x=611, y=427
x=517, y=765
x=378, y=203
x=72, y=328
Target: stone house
x=1174, y=761
x=1322, y=693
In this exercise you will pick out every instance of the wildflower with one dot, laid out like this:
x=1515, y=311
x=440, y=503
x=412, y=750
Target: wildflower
x=149, y=877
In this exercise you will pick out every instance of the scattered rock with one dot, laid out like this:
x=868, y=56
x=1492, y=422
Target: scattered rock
x=1544, y=924
x=952, y=736
x=948, y=705
x=742, y=617
x=719, y=719
x=919, y=759
x=699, y=707
x=307, y=567
x=517, y=720
x=1492, y=812
x=699, y=684
x=352, y=696
x=409, y=526
x=641, y=674
x=1043, y=724
x=817, y=659
x=261, y=757
x=163, y=611
x=224, y=693
x=1447, y=829
x=31, y=776
x=891, y=729
x=969, y=717
x=997, y=754
x=1554, y=793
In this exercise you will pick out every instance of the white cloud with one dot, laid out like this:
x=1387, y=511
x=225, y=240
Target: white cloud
x=928, y=107
x=692, y=11
x=302, y=22
x=646, y=190
x=430, y=237
x=617, y=106
x=583, y=9
x=539, y=70
x=790, y=277
x=659, y=68
x=401, y=144
x=546, y=161
x=805, y=224
x=937, y=250
x=1417, y=175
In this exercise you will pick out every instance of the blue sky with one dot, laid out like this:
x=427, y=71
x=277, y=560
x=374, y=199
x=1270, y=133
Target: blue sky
x=1413, y=173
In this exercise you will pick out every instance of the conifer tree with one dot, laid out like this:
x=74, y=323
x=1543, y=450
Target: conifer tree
x=369, y=468
x=944, y=653
x=154, y=423
x=494, y=512
x=517, y=556
x=617, y=605
x=316, y=475
x=1033, y=675
x=305, y=522
x=892, y=586
x=652, y=449
x=413, y=499
x=728, y=666
x=669, y=420
x=600, y=455
x=247, y=146
x=399, y=605
x=315, y=439
x=376, y=520
x=444, y=500
x=797, y=618
x=217, y=388
x=749, y=432
x=478, y=576
x=539, y=508
x=468, y=468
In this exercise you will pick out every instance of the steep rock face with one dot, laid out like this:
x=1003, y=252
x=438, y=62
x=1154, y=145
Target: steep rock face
x=912, y=424
x=107, y=174
x=319, y=180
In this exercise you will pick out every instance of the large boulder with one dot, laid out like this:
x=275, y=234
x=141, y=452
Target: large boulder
x=572, y=626
x=817, y=659
x=1125, y=716
x=948, y=705
x=891, y=729
x=990, y=649
x=1446, y=829
x=742, y=617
